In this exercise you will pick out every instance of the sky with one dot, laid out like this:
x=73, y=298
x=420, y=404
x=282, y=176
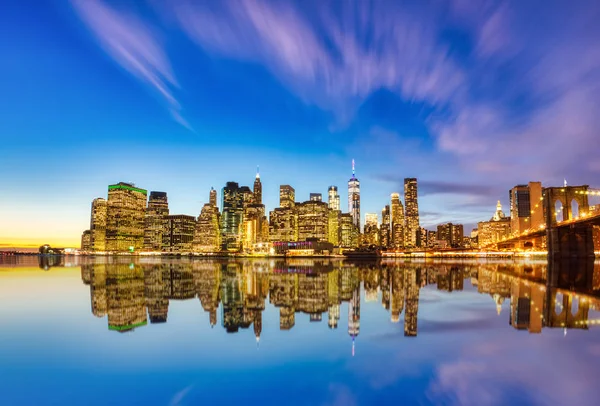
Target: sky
x=470, y=97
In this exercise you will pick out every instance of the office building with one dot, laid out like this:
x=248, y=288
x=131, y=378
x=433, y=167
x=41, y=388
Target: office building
x=316, y=197
x=283, y=224
x=411, y=212
x=385, y=228
x=155, y=221
x=398, y=223
x=232, y=217
x=526, y=208
x=98, y=225
x=207, y=235
x=86, y=240
x=354, y=198
x=257, y=189
x=212, y=198
x=313, y=221
x=334, y=226
x=451, y=234
x=178, y=234
x=348, y=231
x=333, y=198
x=126, y=208
x=287, y=196
x=371, y=230
x=494, y=230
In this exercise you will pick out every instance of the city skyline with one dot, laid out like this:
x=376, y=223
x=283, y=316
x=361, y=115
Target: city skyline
x=473, y=108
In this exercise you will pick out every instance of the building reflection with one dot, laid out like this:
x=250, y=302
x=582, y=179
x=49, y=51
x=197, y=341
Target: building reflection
x=536, y=295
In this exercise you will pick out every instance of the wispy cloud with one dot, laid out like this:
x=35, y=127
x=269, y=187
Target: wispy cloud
x=135, y=46
x=179, y=396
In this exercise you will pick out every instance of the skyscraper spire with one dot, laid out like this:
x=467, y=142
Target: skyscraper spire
x=257, y=173
x=353, y=168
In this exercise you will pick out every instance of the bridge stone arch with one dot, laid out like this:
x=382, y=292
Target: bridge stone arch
x=567, y=318
x=566, y=196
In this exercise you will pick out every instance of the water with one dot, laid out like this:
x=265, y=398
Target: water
x=304, y=332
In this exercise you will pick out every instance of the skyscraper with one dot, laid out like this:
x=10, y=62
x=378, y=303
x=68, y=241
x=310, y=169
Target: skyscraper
x=212, y=199
x=411, y=211
x=354, y=198
x=154, y=221
x=334, y=198
x=313, y=221
x=178, y=235
x=287, y=196
x=257, y=188
x=98, y=225
x=371, y=232
x=384, y=229
x=397, y=218
x=207, y=236
x=316, y=197
x=354, y=316
x=125, y=217
x=232, y=217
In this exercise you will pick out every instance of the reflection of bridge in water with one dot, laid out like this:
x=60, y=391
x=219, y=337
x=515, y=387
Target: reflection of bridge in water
x=568, y=228
x=541, y=295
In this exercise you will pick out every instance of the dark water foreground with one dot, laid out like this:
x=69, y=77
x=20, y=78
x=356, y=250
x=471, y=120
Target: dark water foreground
x=309, y=332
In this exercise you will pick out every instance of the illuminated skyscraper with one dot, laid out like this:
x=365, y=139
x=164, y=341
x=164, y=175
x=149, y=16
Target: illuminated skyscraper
x=371, y=231
x=354, y=198
x=411, y=211
x=287, y=196
x=125, y=217
x=313, y=221
x=348, y=231
x=397, y=217
x=207, y=236
x=316, y=197
x=98, y=225
x=452, y=234
x=212, y=199
x=178, y=235
x=86, y=240
x=334, y=226
x=526, y=210
x=154, y=221
x=232, y=217
x=384, y=229
x=333, y=198
x=283, y=224
x=257, y=188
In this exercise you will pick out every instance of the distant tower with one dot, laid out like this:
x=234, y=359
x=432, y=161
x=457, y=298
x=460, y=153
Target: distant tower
x=334, y=198
x=287, y=196
x=154, y=221
x=411, y=211
x=354, y=198
x=397, y=217
x=98, y=225
x=257, y=188
x=212, y=199
x=126, y=209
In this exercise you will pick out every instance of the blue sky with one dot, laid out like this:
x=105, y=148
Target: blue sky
x=470, y=97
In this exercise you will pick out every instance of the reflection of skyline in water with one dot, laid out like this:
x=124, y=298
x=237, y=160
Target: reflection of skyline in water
x=131, y=294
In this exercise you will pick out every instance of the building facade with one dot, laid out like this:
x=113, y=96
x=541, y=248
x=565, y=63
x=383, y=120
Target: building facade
x=494, y=230
x=411, y=213
x=178, y=235
x=232, y=217
x=398, y=222
x=155, y=221
x=98, y=224
x=207, y=235
x=126, y=208
x=333, y=198
x=313, y=221
x=287, y=196
x=354, y=198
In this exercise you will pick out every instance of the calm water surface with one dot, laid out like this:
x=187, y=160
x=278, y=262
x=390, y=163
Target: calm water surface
x=302, y=332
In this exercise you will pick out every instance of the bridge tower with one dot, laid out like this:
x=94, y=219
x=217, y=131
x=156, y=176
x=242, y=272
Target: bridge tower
x=566, y=240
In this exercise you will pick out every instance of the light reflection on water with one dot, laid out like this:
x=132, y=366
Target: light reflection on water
x=449, y=332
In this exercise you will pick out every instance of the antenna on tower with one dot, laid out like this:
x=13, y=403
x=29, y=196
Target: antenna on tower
x=352, y=167
x=257, y=172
